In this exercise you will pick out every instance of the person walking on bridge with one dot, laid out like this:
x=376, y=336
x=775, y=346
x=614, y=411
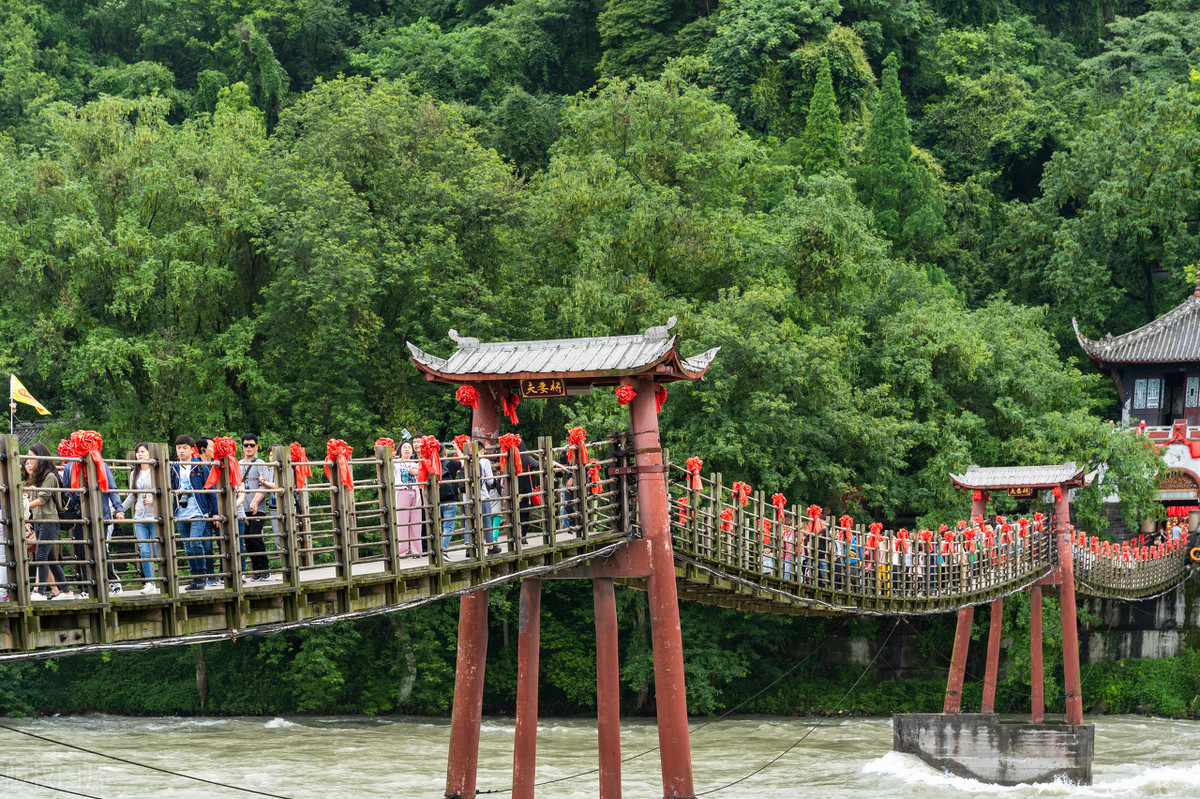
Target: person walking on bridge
x=192, y=509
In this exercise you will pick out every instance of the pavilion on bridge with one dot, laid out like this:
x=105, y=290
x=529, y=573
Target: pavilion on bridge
x=1156, y=370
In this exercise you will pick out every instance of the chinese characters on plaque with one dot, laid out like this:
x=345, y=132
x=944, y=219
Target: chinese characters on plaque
x=543, y=389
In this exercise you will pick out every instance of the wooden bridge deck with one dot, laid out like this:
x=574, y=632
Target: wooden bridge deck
x=336, y=555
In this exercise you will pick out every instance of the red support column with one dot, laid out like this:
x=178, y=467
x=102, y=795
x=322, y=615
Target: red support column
x=528, y=646
x=466, y=717
x=1072, y=687
x=1036, y=691
x=958, y=661
x=993, y=658
x=608, y=685
x=667, y=639
x=962, y=635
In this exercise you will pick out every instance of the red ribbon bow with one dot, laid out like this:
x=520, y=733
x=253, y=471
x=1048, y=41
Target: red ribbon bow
x=694, y=465
x=813, y=512
x=765, y=526
x=66, y=449
x=1057, y=492
x=593, y=476
x=509, y=405
x=741, y=492
x=430, y=450
x=576, y=437
x=727, y=520
x=468, y=396
x=625, y=394
x=510, y=442
x=463, y=442
x=300, y=465
x=87, y=445
x=385, y=442
x=339, y=452
x=224, y=456
x=780, y=502
x=846, y=524
x=660, y=399
x=682, y=502
x=977, y=496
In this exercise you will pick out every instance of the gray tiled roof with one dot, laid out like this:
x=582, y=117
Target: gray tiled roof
x=1012, y=476
x=608, y=356
x=1173, y=337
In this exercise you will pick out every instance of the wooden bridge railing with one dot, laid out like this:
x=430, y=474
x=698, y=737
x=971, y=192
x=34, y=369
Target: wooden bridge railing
x=1124, y=574
x=730, y=548
x=323, y=549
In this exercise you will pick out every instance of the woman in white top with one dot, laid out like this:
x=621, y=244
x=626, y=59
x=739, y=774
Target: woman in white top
x=141, y=500
x=408, y=501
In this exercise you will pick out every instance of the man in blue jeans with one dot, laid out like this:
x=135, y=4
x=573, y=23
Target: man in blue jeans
x=192, y=509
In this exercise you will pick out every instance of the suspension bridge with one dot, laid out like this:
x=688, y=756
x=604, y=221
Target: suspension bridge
x=343, y=537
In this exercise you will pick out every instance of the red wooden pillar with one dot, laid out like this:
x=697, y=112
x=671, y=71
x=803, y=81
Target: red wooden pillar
x=962, y=636
x=1036, y=691
x=667, y=639
x=993, y=658
x=528, y=646
x=958, y=661
x=466, y=717
x=1072, y=687
x=608, y=685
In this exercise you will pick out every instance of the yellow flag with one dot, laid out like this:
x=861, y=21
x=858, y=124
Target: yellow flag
x=19, y=393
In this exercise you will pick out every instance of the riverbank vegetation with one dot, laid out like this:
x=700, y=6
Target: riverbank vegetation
x=228, y=217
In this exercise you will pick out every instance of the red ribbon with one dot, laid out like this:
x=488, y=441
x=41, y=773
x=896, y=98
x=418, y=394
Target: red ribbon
x=224, y=456
x=339, y=452
x=87, y=445
x=625, y=394
x=1022, y=527
x=430, y=450
x=694, y=465
x=510, y=442
x=765, y=526
x=813, y=512
x=902, y=540
x=660, y=399
x=67, y=449
x=576, y=437
x=463, y=442
x=468, y=396
x=594, y=478
x=727, y=520
x=385, y=442
x=300, y=465
x=977, y=496
x=682, y=502
x=1057, y=492
x=741, y=492
x=780, y=502
x=509, y=405
x=845, y=525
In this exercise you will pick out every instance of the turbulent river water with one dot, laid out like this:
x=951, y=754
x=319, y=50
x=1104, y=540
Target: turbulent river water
x=406, y=757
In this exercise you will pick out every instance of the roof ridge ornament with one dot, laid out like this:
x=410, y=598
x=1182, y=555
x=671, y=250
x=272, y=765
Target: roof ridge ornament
x=662, y=332
x=463, y=341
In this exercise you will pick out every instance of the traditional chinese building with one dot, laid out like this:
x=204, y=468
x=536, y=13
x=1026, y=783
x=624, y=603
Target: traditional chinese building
x=1156, y=369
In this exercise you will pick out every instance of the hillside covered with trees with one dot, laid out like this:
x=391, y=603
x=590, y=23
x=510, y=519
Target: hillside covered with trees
x=227, y=217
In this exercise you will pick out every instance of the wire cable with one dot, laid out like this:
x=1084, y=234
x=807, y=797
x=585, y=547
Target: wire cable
x=811, y=729
x=50, y=787
x=139, y=765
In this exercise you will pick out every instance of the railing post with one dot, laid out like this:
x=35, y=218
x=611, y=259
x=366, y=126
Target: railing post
x=718, y=522
x=14, y=518
x=287, y=507
x=164, y=515
x=387, y=505
x=550, y=499
x=91, y=505
x=227, y=510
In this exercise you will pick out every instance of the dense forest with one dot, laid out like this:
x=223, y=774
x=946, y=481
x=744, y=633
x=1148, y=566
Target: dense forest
x=229, y=217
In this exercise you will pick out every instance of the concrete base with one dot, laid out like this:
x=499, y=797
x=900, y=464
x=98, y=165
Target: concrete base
x=982, y=747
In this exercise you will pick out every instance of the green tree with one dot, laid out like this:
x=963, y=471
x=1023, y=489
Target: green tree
x=822, y=144
x=892, y=182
